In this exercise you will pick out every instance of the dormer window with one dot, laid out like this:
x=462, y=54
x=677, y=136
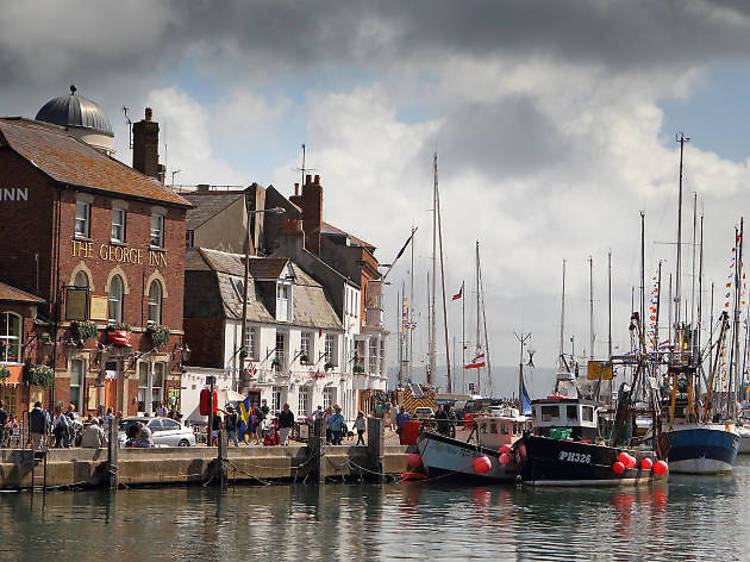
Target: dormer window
x=283, y=302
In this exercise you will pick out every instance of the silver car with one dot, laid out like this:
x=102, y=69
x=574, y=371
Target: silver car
x=166, y=432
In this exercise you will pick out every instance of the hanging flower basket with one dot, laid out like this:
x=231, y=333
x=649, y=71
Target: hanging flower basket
x=275, y=364
x=83, y=330
x=159, y=334
x=304, y=359
x=4, y=373
x=328, y=366
x=38, y=375
x=359, y=369
x=118, y=334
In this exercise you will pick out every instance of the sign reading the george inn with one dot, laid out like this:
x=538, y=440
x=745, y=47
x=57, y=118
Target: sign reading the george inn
x=14, y=194
x=119, y=254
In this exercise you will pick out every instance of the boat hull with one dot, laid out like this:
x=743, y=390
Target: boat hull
x=444, y=456
x=702, y=448
x=545, y=461
x=744, y=448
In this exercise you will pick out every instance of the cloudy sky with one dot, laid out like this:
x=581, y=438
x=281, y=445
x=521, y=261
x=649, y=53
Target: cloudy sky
x=554, y=121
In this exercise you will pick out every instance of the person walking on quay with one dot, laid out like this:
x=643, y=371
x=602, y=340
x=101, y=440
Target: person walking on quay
x=3, y=423
x=93, y=436
x=215, y=430
x=161, y=410
x=231, y=422
x=401, y=419
x=326, y=422
x=10, y=429
x=360, y=424
x=38, y=426
x=336, y=423
x=441, y=420
x=60, y=428
x=109, y=417
x=286, y=423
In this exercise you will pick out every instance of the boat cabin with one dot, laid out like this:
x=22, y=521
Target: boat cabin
x=500, y=426
x=565, y=417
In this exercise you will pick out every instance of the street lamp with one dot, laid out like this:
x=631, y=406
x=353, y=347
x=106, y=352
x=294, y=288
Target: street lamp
x=244, y=379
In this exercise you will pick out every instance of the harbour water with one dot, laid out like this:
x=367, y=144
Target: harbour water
x=688, y=518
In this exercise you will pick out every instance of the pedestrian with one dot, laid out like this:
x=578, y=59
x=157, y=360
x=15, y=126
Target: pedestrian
x=93, y=436
x=161, y=410
x=360, y=424
x=144, y=437
x=326, y=420
x=108, y=419
x=10, y=430
x=378, y=410
x=232, y=422
x=264, y=408
x=401, y=419
x=441, y=420
x=60, y=428
x=3, y=423
x=215, y=429
x=336, y=423
x=286, y=424
x=70, y=412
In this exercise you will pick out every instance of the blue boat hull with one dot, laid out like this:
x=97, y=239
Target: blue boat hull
x=702, y=448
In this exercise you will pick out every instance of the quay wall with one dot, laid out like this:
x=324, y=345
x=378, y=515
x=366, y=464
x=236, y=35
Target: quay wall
x=184, y=465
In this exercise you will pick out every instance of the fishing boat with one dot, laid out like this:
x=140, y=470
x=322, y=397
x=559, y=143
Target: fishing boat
x=480, y=459
x=565, y=448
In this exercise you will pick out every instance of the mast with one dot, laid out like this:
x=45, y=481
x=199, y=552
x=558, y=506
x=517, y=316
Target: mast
x=486, y=337
x=442, y=282
x=428, y=376
x=609, y=305
x=431, y=374
x=463, y=337
x=711, y=328
x=680, y=137
x=700, y=305
x=411, y=308
x=671, y=326
x=658, y=308
x=734, y=360
x=400, y=323
x=692, y=289
x=562, y=319
x=522, y=338
x=479, y=335
x=643, y=268
x=591, y=308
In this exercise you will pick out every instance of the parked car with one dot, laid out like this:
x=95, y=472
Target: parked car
x=166, y=432
x=423, y=413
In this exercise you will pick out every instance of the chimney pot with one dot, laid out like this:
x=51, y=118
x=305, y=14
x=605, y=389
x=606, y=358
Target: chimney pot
x=149, y=114
x=317, y=179
x=308, y=179
x=296, y=189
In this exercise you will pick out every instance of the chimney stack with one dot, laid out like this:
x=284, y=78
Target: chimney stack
x=296, y=190
x=146, y=147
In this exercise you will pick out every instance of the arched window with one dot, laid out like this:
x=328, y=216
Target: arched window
x=115, y=299
x=10, y=337
x=154, y=302
x=81, y=281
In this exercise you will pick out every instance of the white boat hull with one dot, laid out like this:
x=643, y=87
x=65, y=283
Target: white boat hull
x=443, y=455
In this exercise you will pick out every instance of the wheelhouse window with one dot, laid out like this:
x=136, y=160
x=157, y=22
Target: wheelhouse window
x=115, y=299
x=10, y=337
x=118, y=225
x=83, y=220
x=550, y=413
x=154, y=302
x=588, y=413
x=572, y=412
x=157, y=231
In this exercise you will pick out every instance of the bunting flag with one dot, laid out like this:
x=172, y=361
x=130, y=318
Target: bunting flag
x=459, y=294
x=478, y=357
x=245, y=429
x=474, y=365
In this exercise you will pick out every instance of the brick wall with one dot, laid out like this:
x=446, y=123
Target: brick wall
x=205, y=336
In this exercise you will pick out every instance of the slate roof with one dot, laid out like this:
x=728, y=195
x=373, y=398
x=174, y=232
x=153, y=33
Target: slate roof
x=310, y=306
x=9, y=293
x=71, y=161
x=326, y=228
x=208, y=205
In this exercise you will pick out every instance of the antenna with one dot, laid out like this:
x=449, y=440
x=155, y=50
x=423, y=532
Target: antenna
x=130, y=127
x=303, y=169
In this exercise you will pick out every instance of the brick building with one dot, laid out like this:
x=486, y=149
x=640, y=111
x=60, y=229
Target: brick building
x=104, y=245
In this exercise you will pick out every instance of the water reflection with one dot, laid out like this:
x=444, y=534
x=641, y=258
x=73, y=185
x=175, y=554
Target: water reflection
x=687, y=518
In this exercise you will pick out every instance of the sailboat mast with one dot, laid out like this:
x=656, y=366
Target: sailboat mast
x=431, y=374
x=643, y=269
x=658, y=308
x=478, y=339
x=562, y=318
x=400, y=322
x=591, y=308
x=692, y=285
x=411, y=308
x=678, y=266
x=463, y=337
x=442, y=282
x=486, y=336
x=609, y=305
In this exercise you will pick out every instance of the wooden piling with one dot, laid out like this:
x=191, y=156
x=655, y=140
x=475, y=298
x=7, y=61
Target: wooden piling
x=113, y=448
x=222, y=458
x=376, y=444
x=317, y=444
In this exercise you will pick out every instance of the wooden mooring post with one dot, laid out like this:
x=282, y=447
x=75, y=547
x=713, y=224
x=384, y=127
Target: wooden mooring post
x=376, y=444
x=317, y=445
x=222, y=458
x=113, y=449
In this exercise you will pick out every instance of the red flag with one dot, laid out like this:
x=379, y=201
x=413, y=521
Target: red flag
x=477, y=358
x=474, y=365
x=459, y=294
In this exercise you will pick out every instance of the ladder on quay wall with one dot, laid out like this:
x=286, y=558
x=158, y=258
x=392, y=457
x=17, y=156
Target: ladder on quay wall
x=39, y=470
